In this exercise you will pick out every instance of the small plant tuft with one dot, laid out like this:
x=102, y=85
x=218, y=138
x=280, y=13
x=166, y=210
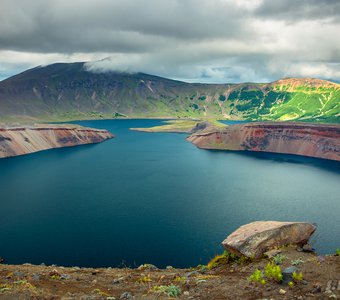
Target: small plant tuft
x=297, y=262
x=257, y=277
x=337, y=252
x=226, y=258
x=278, y=259
x=172, y=291
x=144, y=279
x=273, y=271
x=297, y=276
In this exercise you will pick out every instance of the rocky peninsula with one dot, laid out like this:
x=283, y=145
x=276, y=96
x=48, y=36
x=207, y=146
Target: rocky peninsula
x=24, y=140
x=314, y=140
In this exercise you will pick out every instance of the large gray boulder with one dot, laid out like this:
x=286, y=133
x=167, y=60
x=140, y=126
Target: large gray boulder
x=253, y=239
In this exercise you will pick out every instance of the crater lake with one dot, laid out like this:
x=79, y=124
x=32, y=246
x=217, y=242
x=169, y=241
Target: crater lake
x=154, y=198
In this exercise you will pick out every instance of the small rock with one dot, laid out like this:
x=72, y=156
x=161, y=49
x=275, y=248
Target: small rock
x=270, y=254
x=36, y=277
x=196, y=273
x=94, y=281
x=317, y=288
x=307, y=248
x=147, y=267
x=330, y=294
x=65, y=276
x=282, y=292
x=54, y=272
x=118, y=280
x=18, y=274
x=321, y=259
x=169, y=267
x=300, y=298
x=186, y=293
x=43, y=264
x=125, y=296
x=288, y=274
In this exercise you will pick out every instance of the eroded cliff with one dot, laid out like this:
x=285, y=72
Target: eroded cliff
x=315, y=140
x=24, y=140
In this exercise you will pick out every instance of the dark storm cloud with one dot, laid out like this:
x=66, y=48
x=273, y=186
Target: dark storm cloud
x=194, y=40
x=103, y=25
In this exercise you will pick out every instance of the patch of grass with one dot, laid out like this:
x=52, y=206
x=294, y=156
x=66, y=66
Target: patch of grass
x=5, y=288
x=144, y=279
x=172, y=291
x=180, y=279
x=337, y=252
x=171, y=126
x=225, y=258
x=101, y=293
x=270, y=272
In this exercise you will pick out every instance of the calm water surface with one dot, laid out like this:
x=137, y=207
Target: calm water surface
x=154, y=198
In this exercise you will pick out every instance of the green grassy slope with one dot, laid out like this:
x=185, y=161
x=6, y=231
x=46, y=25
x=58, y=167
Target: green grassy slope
x=62, y=92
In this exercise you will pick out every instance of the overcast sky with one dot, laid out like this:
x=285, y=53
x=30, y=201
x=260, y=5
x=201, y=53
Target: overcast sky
x=191, y=40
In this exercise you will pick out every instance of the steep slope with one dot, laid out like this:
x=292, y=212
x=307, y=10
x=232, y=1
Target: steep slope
x=19, y=141
x=315, y=140
x=69, y=91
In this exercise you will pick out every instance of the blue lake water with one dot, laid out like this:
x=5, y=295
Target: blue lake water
x=154, y=198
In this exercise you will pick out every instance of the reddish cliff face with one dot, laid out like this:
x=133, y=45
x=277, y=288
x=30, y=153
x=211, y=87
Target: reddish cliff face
x=19, y=141
x=316, y=140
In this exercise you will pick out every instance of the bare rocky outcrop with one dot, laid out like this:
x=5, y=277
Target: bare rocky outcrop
x=315, y=140
x=254, y=239
x=24, y=140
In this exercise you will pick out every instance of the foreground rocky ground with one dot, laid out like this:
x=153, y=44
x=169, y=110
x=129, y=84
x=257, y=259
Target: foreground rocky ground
x=321, y=276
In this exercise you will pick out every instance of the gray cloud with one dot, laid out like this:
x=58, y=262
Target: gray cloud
x=295, y=11
x=206, y=40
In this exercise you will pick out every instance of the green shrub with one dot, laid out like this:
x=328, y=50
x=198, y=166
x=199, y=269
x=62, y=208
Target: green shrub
x=272, y=271
x=337, y=252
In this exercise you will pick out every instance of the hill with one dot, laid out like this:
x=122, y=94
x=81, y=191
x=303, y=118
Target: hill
x=62, y=92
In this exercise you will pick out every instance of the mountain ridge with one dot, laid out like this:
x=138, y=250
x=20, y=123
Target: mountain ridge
x=68, y=91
